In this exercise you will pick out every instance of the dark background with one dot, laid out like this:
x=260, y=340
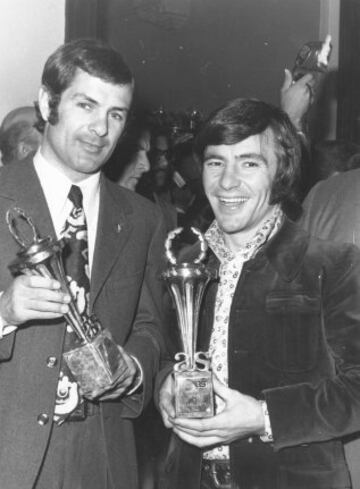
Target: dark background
x=215, y=50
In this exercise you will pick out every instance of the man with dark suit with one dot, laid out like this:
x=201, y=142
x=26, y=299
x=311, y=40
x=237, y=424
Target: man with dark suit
x=282, y=325
x=52, y=437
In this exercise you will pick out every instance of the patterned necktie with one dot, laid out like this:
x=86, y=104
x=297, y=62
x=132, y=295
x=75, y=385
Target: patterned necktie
x=75, y=257
x=76, y=250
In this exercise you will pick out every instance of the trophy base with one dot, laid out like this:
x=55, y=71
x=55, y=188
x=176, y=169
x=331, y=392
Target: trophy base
x=94, y=365
x=194, y=396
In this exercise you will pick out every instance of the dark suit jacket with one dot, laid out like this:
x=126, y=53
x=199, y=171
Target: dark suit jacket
x=125, y=296
x=294, y=340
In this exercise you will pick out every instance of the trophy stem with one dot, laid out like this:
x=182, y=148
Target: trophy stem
x=73, y=317
x=191, y=325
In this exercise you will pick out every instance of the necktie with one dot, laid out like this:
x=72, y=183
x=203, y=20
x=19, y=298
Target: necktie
x=75, y=257
x=75, y=254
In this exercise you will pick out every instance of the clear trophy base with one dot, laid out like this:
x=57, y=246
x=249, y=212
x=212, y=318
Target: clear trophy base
x=94, y=365
x=194, y=396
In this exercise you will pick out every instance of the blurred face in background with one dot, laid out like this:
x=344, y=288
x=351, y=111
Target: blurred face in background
x=160, y=162
x=138, y=165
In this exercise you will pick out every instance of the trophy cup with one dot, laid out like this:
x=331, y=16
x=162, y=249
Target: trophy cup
x=186, y=282
x=94, y=363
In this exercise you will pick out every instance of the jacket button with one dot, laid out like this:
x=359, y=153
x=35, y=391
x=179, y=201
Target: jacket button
x=51, y=361
x=43, y=419
x=250, y=439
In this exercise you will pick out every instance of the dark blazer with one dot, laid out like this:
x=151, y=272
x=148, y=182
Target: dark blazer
x=294, y=340
x=126, y=297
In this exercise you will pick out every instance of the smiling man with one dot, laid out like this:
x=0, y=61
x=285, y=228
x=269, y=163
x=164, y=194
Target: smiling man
x=282, y=325
x=54, y=436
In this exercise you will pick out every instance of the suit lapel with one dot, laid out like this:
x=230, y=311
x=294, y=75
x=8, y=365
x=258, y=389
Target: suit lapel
x=26, y=192
x=114, y=228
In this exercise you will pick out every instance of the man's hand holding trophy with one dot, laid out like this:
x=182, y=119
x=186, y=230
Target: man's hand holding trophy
x=97, y=363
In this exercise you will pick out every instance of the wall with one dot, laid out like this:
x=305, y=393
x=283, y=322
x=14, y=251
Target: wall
x=29, y=31
x=226, y=48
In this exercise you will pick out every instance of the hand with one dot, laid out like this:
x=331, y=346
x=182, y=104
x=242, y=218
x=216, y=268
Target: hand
x=33, y=297
x=166, y=401
x=297, y=97
x=125, y=377
x=242, y=417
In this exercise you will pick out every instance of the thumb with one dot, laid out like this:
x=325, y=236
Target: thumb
x=288, y=79
x=220, y=389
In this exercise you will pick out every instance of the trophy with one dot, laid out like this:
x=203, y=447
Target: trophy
x=186, y=282
x=94, y=363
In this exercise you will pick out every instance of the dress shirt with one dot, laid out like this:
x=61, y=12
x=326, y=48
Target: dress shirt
x=56, y=187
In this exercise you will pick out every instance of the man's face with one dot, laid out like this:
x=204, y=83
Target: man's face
x=238, y=179
x=91, y=117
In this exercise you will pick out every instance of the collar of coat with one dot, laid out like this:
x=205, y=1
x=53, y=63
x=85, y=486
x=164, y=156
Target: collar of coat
x=285, y=251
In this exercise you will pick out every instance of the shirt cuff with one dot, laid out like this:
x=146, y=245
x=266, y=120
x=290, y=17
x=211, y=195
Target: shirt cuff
x=267, y=437
x=138, y=378
x=5, y=328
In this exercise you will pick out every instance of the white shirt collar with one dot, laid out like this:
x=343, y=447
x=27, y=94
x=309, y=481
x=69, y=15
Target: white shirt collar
x=56, y=186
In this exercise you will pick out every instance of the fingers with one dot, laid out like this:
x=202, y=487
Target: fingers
x=307, y=78
x=311, y=92
x=198, y=431
x=33, y=297
x=166, y=402
x=198, y=426
x=308, y=81
x=288, y=80
x=200, y=442
x=38, y=281
x=219, y=388
x=124, y=378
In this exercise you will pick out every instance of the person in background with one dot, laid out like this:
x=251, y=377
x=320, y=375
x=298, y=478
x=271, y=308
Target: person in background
x=18, y=136
x=296, y=99
x=331, y=210
x=156, y=184
x=331, y=157
x=130, y=160
x=26, y=113
x=193, y=208
x=161, y=170
x=53, y=434
x=282, y=323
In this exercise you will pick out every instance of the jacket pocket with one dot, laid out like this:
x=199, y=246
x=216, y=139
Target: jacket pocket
x=292, y=331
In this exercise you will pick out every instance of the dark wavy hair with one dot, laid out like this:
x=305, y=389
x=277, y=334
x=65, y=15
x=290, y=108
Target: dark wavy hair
x=242, y=118
x=90, y=55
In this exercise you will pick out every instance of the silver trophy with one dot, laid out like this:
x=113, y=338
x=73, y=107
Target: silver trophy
x=194, y=397
x=95, y=362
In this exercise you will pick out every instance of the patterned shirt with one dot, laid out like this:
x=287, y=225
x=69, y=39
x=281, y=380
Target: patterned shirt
x=231, y=265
